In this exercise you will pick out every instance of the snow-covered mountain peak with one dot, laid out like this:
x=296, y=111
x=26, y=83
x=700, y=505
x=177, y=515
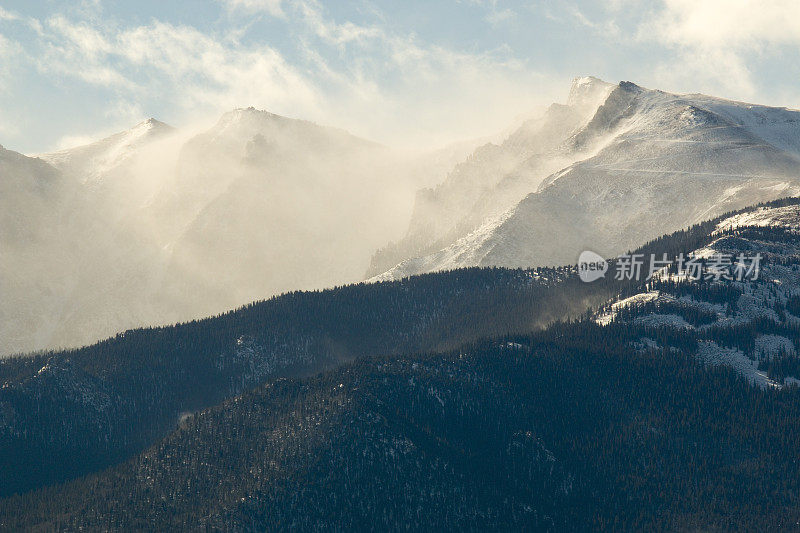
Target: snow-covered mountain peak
x=239, y=128
x=638, y=164
x=588, y=91
x=137, y=135
x=245, y=113
x=248, y=121
x=630, y=87
x=92, y=162
x=783, y=217
x=150, y=125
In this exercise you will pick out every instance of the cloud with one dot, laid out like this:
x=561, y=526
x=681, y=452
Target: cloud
x=495, y=16
x=273, y=7
x=716, y=41
x=330, y=31
x=364, y=76
x=727, y=23
x=464, y=95
x=582, y=19
x=71, y=141
x=10, y=51
x=389, y=86
x=79, y=50
x=8, y=15
x=400, y=88
x=7, y=127
x=176, y=63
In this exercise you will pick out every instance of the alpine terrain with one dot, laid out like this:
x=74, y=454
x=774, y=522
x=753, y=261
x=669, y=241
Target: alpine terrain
x=155, y=225
x=616, y=166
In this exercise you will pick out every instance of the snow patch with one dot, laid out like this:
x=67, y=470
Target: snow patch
x=713, y=354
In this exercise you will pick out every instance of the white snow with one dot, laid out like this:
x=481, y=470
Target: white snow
x=770, y=345
x=468, y=250
x=95, y=161
x=647, y=163
x=757, y=300
x=641, y=298
x=787, y=217
x=713, y=354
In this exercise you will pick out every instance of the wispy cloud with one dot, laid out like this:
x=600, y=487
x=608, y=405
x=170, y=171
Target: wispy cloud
x=178, y=63
x=331, y=31
x=273, y=7
x=10, y=51
x=8, y=15
x=390, y=85
x=496, y=15
x=715, y=41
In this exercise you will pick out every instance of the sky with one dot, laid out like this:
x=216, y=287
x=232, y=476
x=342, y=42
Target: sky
x=416, y=74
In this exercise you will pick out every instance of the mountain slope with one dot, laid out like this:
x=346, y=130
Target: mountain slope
x=566, y=430
x=154, y=226
x=263, y=204
x=752, y=326
x=72, y=412
x=497, y=176
x=39, y=248
x=94, y=162
x=106, y=261
x=663, y=162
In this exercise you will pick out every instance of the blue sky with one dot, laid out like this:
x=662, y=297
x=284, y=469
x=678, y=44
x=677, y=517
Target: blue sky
x=413, y=73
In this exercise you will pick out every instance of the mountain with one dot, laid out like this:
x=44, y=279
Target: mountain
x=93, y=162
x=154, y=225
x=642, y=164
x=263, y=204
x=38, y=245
x=496, y=176
x=71, y=412
x=113, y=399
x=37, y=185
x=749, y=325
x=641, y=415
x=566, y=431
x=84, y=272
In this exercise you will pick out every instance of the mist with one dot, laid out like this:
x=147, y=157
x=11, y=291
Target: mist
x=160, y=224
x=157, y=224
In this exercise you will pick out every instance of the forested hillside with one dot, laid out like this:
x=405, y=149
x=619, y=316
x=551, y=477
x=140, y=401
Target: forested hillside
x=568, y=429
x=752, y=325
x=68, y=413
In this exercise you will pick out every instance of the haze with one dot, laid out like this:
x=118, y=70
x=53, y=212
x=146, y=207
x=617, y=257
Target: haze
x=289, y=138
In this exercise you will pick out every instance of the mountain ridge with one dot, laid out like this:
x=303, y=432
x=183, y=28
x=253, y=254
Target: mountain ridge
x=157, y=226
x=652, y=149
